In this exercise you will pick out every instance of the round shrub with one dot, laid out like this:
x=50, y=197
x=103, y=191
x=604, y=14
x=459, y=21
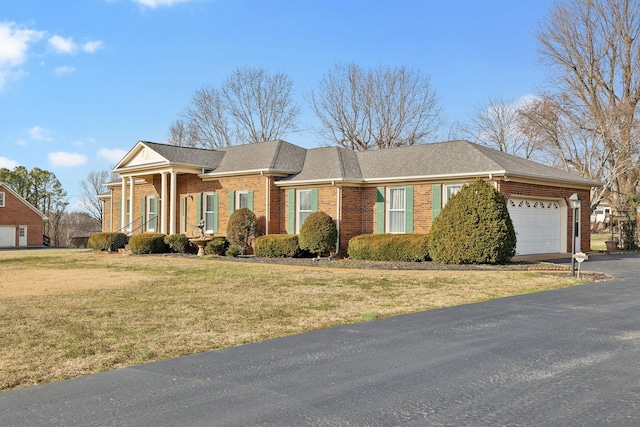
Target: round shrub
x=277, y=246
x=107, y=241
x=148, y=243
x=217, y=246
x=241, y=229
x=473, y=228
x=318, y=234
x=389, y=247
x=233, y=251
x=177, y=242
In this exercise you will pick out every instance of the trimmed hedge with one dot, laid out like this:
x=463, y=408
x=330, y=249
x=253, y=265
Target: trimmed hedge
x=318, y=234
x=107, y=241
x=473, y=228
x=390, y=247
x=148, y=243
x=241, y=229
x=177, y=242
x=277, y=246
x=217, y=246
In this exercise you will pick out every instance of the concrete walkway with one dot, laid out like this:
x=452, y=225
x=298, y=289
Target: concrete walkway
x=557, y=358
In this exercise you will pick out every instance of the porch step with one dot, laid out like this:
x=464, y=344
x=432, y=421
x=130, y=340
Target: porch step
x=125, y=251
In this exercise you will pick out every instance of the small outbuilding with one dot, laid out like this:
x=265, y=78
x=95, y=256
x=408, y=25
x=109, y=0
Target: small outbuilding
x=21, y=223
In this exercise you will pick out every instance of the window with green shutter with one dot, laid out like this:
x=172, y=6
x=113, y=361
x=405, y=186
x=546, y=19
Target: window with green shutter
x=291, y=214
x=436, y=200
x=380, y=228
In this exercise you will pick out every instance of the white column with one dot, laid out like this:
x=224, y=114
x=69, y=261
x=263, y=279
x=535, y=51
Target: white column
x=162, y=209
x=172, y=203
x=131, y=203
x=123, y=204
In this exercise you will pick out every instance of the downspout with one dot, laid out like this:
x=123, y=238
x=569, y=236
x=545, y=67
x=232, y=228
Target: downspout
x=338, y=214
x=267, y=203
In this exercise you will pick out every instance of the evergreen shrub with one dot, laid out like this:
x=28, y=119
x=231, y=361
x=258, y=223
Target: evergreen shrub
x=177, y=242
x=318, y=234
x=217, y=246
x=107, y=241
x=390, y=247
x=241, y=229
x=148, y=243
x=473, y=228
x=277, y=246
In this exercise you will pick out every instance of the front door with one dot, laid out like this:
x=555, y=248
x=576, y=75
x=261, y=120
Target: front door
x=183, y=214
x=22, y=235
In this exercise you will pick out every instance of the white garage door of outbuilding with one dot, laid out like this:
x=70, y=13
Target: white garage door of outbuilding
x=7, y=236
x=538, y=225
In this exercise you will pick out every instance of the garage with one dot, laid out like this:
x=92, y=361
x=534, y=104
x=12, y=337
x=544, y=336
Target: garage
x=538, y=225
x=7, y=235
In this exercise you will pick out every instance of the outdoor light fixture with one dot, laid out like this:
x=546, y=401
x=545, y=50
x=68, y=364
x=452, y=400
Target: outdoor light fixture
x=574, y=203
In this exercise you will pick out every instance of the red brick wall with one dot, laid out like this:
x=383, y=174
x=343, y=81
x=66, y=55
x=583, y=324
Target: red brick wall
x=16, y=213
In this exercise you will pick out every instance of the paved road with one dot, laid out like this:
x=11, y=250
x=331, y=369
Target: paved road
x=563, y=358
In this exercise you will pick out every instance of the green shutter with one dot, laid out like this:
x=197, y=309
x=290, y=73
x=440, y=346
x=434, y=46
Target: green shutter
x=198, y=208
x=122, y=213
x=436, y=200
x=215, y=212
x=143, y=203
x=154, y=208
x=291, y=225
x=314, y=200
x=380, y=210
x=408, y=210
x=232, y=202
x=250, y=200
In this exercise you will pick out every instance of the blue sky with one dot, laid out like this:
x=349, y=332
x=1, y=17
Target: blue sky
x=82, y=81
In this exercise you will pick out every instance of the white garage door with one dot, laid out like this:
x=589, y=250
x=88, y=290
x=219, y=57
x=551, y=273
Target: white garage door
x=538, y=225
x=7, y=236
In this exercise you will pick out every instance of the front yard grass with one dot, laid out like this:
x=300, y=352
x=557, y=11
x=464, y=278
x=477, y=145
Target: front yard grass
x=65, y=313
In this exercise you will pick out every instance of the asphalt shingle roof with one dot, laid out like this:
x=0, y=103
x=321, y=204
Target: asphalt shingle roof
x=425, y=161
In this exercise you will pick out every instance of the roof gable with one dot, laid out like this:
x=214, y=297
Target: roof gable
x=146, y=153
x=22, y=200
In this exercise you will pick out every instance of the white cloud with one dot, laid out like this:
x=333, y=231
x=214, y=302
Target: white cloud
x=61, y=71
x=153, y=4
x=113, y=155
x=21, y=142
x=92, y=46
x=61, y=45
x=64, y=159
x=15, y=42
x=38, y=133
x=7, y=163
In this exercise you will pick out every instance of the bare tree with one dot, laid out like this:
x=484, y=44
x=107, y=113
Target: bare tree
x=496, y=124
x=380, y=108
x=594, y=46
x=182, y=134
x=252, y=105
x=92, y=187
x=260, y=104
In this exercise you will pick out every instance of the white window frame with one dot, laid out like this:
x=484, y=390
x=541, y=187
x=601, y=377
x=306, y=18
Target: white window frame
x=455, y=189
x=2, y=196
x=151, y=226
x=402, y=212
x=208, y=210
x=299, y=211
x=239, y=195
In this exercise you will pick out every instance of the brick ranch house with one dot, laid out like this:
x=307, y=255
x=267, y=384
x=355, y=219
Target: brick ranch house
x=21, y=223
x=170, y=189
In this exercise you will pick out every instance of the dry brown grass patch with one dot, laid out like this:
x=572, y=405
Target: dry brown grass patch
x=66, y=313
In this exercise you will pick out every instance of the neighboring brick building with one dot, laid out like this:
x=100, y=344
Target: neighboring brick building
x=171, y=189
x=21, y=223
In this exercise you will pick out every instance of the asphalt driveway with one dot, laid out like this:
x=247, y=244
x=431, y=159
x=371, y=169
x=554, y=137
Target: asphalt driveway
x=558, y=358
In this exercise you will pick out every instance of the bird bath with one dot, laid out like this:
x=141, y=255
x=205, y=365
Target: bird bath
x=200, y=242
